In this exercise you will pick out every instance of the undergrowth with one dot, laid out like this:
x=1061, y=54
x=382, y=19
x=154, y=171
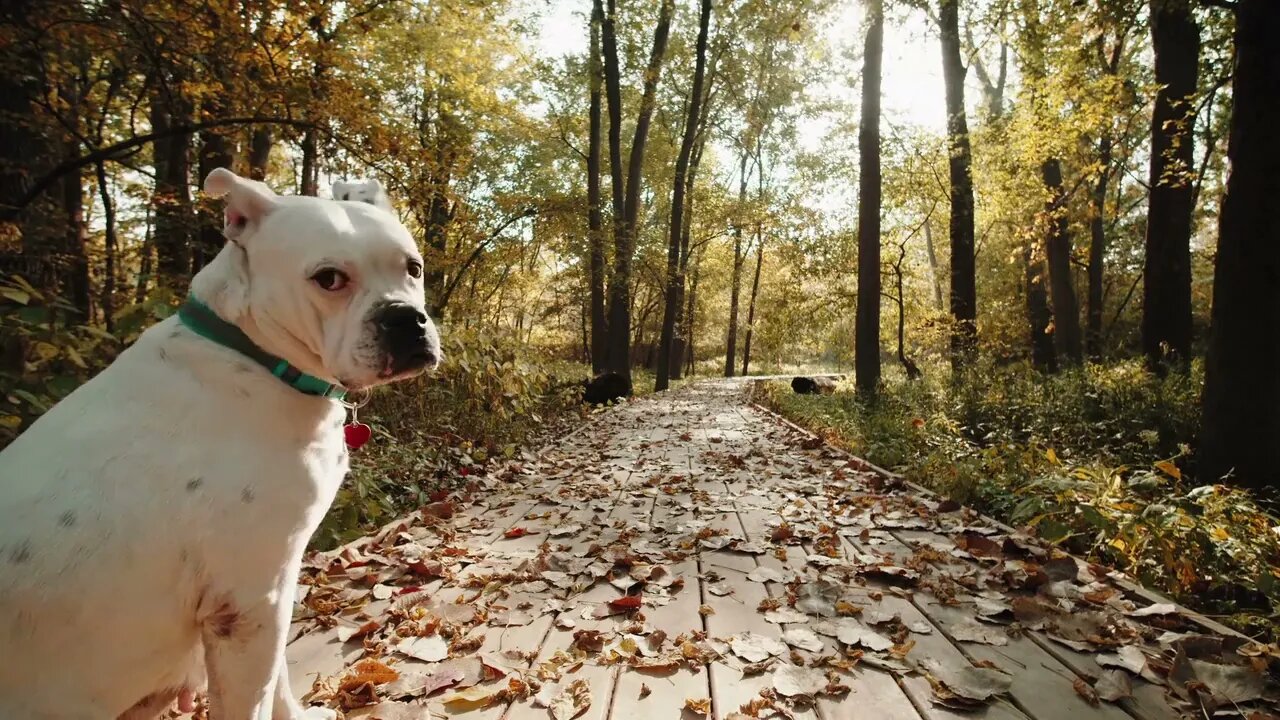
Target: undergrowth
x=1098, y=460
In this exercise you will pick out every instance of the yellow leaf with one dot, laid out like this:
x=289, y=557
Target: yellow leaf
x=10, y=422
x=1170, y=469
x=45, y=351
x=473, y=698
x=1053, y=456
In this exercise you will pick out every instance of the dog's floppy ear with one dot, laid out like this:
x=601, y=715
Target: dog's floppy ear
x=342, y=190
x=248, y=201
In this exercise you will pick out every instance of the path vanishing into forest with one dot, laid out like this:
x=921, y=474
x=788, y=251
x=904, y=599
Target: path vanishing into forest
x=689, y=555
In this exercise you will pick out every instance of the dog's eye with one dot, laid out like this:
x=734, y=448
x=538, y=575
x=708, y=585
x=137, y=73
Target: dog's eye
x=331, y=279
x=415, y=269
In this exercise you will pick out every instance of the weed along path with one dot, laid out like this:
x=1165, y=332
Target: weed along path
x=686, y=555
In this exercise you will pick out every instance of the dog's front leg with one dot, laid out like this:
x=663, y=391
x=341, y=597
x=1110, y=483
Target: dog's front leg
x=243, y=645
x=287, y=706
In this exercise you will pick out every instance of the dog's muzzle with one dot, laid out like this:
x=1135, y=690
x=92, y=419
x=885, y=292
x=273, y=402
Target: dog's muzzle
x=407, y=338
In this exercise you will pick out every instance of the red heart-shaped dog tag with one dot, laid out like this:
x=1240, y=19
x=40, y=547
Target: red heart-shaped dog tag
x=357, y=434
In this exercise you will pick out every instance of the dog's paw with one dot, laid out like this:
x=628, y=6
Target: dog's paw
x=318, y=713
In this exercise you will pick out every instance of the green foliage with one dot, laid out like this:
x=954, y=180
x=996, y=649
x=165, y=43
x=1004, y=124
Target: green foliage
x=1097, y=460
x=44, y=353
x=490, y=398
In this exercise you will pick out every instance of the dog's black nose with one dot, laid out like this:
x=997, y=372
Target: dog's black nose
x=403, y=319
x=408, y=337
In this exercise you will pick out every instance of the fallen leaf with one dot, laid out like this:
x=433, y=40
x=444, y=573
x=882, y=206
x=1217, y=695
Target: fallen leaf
x=626, y=602
x=967, y=630
x=785, y=615
x=967, y=683
x=1113, y=685
x=474, y=698
x=367, y=672
x=754, y=648
x=803, y=638
x=1085, y=691
x=1156, y=609
x=571, y=701
x=431, y=648
x=701, y=706
x=793, y=680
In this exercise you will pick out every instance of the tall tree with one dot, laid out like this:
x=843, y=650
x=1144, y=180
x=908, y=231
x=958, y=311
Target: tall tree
x=1110, y=62
x=1166, y=274
x=679, y=187
x=1039, y=317
x=595, y=219
x=867, y=329
x=751, y=303
x=964, y=294
x=172, y=108
x=619, y=356
x=1241, y=420
x=735, y=277
x=1066, y=310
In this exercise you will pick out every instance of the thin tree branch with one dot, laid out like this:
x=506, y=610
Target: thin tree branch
x=9, y=212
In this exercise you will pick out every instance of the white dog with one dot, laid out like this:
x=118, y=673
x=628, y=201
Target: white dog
x=152, y=524
x=365, y=191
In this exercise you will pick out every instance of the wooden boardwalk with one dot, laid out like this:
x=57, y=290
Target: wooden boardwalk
x=687, y=556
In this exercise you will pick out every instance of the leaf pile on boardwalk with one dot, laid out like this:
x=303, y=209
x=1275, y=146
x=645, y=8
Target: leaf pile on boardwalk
x=850, y=574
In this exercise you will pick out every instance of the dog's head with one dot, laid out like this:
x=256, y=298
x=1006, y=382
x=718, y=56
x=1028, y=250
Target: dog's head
x=333, y=287
x=366, y=191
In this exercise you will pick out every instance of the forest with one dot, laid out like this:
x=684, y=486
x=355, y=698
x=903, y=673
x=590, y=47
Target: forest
x=1034, y=235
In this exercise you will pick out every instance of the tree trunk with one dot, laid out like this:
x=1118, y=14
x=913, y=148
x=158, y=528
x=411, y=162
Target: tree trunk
x=964, y=302
x=26, y=149
x=613, y=94
x=260, y=142
x=679, y=348
x=751, y=305
x=1166, y=292
x=671, y=307
x=310, y=181
x=867, y=326
x=75, y=259
x=691, y=315
x=145, y=262
x=735, y=283
x=108, y=301
x=1097, y=251
x=172, y=199
x=1043, y=356
x=620, y=289
x=1241, y=421
x=1066, y=310
x=216, y=150
x=934, y=278
x=595, y=219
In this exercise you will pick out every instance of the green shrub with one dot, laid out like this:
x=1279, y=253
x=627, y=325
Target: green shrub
x=45, y=354
x=1097, y=459
x=489, y=398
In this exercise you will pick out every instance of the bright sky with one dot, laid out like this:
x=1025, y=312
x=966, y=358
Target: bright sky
x=912, y=83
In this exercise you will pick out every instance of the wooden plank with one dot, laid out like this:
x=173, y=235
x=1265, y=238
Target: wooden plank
x=1149, y=701
x=1042, y=686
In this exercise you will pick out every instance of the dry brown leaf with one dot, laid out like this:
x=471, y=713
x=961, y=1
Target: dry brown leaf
x=702, y=706
x=366, y=672
x=1083, y=689
x=571, y=701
